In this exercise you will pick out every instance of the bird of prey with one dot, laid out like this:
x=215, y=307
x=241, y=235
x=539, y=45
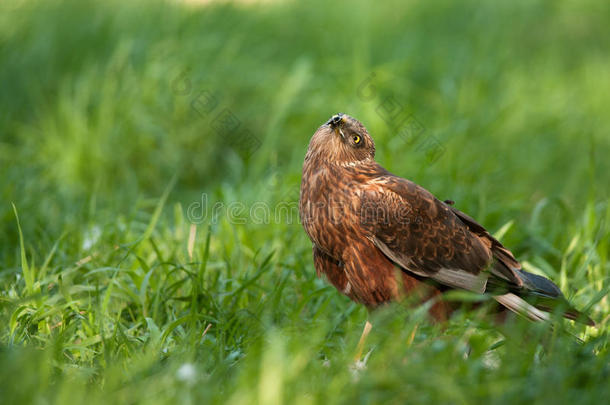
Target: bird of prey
x=365, y=223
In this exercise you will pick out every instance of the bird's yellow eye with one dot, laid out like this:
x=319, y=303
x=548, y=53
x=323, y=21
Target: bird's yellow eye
x=357, y=139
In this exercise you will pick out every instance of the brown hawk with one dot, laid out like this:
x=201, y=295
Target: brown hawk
x=365, y=223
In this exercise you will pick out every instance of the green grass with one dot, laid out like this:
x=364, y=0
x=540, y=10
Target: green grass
x=105, y=150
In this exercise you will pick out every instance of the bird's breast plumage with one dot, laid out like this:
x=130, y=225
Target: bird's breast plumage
x=329, y=206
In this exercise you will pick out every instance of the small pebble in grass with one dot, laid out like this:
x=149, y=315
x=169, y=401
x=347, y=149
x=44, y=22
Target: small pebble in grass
x=186, y=373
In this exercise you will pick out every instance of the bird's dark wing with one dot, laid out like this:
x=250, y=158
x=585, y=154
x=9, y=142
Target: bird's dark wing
x=507, y=265
x=431, y=239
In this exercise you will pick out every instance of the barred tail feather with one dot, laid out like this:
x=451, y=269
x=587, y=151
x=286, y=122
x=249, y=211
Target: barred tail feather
x=539, y=311
x=520, y=306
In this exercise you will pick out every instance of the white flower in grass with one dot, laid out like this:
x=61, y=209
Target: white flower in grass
x=92, y=235
x=187, y=373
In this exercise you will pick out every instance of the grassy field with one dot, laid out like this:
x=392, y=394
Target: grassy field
x=150, y=158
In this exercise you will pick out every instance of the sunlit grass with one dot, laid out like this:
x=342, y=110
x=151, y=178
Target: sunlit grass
x=112, y=289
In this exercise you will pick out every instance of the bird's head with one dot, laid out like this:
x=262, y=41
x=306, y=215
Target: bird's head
x=342, y=140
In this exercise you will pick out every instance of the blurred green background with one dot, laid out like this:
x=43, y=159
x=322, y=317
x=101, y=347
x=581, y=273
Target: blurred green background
x=116, y=117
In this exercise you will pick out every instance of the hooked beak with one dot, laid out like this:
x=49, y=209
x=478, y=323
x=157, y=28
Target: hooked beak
x=336, y=122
